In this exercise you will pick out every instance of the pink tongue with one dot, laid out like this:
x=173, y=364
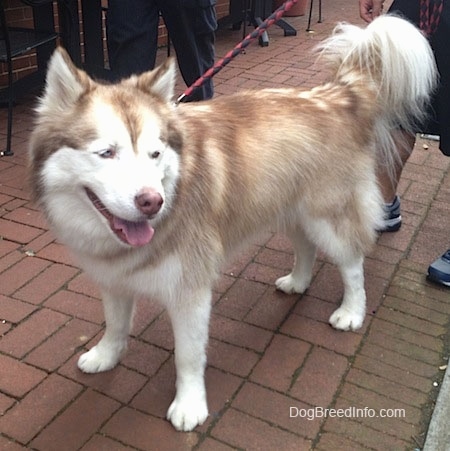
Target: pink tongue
x=135, y=233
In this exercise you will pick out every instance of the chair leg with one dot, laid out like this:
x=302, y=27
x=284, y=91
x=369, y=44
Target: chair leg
x=8, y=152
x=308, y=28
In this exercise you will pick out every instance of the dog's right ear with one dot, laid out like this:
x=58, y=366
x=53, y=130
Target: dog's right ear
x=160, y=81
x=64, y=83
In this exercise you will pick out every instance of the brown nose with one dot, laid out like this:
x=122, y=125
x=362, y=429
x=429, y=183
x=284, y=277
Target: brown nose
x=148, y=201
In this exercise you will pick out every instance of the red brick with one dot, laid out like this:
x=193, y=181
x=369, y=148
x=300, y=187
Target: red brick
x=382, y=386
x=420, y=299
x=391, y=373
x=364, y=435
x=271, y=310
x=7, y=247
x=239, y=299
x=245, y=432
x=221, y=388
x=275, y=409
x=329, y=441
x=84, y=285
x=262, y=273
x=29, y=217
x=160, y=333
x=146, y=311
x=379, y=268
x=77, y=423
x=19, y=274
x=327, y=285
x=361, y=397
x=230, y=358
x=41, y=241
x=4, y=199
x=28, y=335
x=280, y=362
x=139, y=430
x=144, y=358
x=158, y=392
x=77, y=305
x=407, y=342
x=102, y=443
x=210, y=444
x=397, y=360
x=9, y=445
x=322, y=334
x=411, y=308
x=16, y=232
x=320, y=377
x=22, y=422
x=410, y=322
x=46, y=283
x=223, y=284
x=314, y=308
x=276, y=259
x=120, y=383
x=53, y=352
x=13, y=310
x=240, y=262
x=57, y=253
x=5, y=403
x=238, y=333
x=17, y=378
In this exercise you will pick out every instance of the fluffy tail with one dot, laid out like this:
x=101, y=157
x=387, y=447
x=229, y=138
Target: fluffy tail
x=392, y=55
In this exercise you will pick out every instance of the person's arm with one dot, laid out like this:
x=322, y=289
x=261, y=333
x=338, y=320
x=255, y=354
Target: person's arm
x=369, y=9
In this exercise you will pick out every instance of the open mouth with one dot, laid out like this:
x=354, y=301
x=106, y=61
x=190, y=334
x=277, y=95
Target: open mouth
x=133, y=233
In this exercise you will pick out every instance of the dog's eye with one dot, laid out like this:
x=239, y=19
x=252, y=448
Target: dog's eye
x=155, y=154
x=107, y=153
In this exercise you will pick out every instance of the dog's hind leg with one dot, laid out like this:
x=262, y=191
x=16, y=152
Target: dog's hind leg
x=350, y=315
x=107, y=353
x=305, y=254
x=190, y=322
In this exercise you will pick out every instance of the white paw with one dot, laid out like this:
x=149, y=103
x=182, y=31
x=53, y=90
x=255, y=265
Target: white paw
x=288, y=284
x=187, y=413
x=97, y=360
x=344, y=319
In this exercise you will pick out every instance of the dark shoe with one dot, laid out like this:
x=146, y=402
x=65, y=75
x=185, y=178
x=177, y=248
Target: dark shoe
x=392, y=216
x=439, y=270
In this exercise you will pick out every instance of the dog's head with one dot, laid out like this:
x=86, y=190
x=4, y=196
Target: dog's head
x=104, y=158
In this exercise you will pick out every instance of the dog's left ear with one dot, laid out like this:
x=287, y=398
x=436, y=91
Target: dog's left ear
x=160, y=81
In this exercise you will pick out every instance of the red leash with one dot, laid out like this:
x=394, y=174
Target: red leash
x=276, y=15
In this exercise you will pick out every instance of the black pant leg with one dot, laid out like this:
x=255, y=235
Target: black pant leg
x=132, y=33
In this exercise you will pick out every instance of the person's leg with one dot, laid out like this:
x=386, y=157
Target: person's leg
x=183, y=24
x=389, y=178
x=132, y=33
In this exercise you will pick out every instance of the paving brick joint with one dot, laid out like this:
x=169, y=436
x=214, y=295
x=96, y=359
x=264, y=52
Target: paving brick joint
x=278, y=376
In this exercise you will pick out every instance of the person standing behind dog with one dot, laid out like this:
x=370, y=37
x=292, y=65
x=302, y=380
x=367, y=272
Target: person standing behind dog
x=132, y=37
x=433, y=18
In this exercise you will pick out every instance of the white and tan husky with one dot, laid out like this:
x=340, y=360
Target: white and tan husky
x=152, y=198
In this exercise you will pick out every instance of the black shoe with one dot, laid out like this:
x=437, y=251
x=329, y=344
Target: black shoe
x=439, y=270
x=392, y=216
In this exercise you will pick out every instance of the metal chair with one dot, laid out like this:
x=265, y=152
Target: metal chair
x=15, y=42
x=308, y=28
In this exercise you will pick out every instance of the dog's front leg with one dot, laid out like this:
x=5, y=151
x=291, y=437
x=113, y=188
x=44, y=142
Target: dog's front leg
x=107, y=353
x=350, y=315
x=190, y=322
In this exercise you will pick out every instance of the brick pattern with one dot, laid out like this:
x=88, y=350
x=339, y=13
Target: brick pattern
x=269, y=354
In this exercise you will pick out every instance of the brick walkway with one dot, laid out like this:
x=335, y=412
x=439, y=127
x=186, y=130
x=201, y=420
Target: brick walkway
x=270, y=355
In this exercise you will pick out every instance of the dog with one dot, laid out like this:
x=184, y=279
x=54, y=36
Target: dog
x=152, y=197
